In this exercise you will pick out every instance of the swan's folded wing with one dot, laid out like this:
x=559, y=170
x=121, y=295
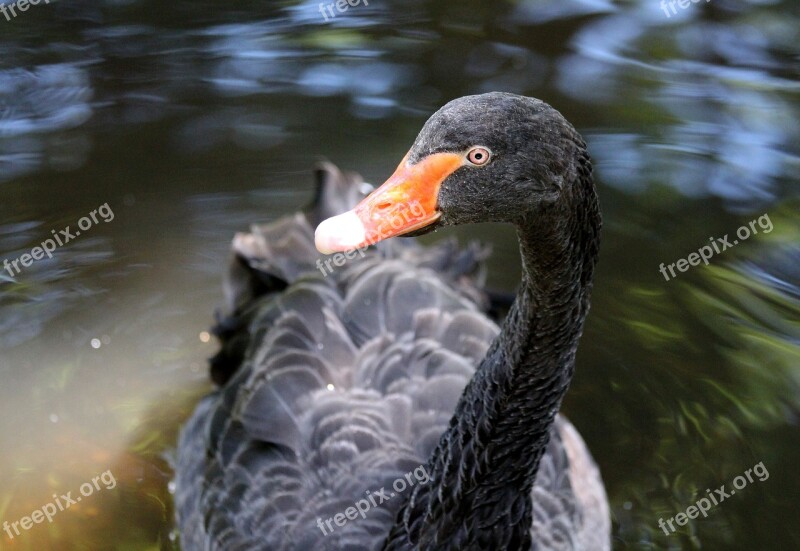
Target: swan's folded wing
x=570, y=508
x=335, y=386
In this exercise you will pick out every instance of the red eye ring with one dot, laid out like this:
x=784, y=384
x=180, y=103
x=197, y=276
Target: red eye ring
x=479, y=156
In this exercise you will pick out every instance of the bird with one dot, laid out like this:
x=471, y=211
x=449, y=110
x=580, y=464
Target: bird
x=366, y=398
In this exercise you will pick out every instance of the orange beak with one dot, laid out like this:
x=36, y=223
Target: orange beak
x=404, y=203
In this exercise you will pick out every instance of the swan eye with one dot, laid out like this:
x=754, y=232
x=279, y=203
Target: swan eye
x=479, y=156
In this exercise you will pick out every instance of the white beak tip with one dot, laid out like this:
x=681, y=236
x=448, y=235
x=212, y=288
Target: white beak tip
x=340, y=233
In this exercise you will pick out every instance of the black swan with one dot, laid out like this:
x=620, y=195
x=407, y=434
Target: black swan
x=366, y=401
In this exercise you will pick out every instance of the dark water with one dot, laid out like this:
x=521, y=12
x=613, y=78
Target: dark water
x=190, y=120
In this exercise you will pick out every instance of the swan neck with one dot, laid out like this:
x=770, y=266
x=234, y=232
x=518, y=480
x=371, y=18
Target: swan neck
x=483, y=470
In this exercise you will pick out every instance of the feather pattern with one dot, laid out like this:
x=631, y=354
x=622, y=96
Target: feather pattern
x=336, y=387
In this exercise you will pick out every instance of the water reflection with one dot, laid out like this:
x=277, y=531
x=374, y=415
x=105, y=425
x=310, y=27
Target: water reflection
x=37, y=105
x=723, y=129
x=706, y=368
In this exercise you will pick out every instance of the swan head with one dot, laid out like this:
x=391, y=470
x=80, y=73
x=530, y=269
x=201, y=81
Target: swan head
x=493, y=157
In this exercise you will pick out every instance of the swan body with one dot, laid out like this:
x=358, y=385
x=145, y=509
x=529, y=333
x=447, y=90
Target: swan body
x=333, y=426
